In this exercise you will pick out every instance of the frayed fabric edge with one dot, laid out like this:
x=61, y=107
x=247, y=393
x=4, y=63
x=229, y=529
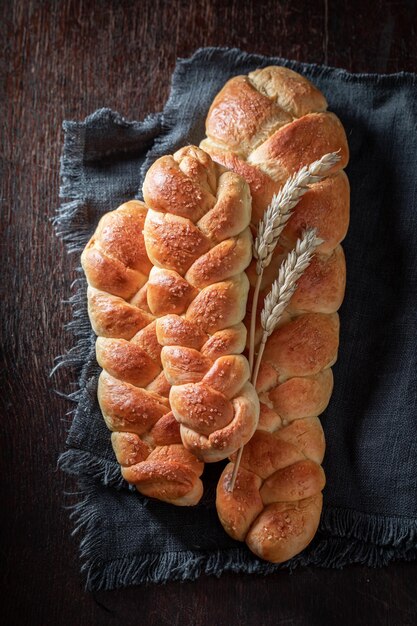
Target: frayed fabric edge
x=79, y=463
x=376, y=530
x=334, y=552
x=238, y=57
x=80, y=328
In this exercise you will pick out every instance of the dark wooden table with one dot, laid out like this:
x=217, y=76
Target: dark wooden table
x=62, y=60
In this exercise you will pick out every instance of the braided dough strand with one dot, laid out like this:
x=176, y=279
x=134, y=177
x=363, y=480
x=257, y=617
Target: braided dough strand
x=132, y=390
x=265, y=126
x=198, y=238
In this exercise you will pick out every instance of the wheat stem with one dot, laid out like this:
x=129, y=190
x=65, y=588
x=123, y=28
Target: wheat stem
x=253, y=381
x=253, y=321
x=259, y=358
x=236, y=466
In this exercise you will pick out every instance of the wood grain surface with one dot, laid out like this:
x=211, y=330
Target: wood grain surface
x=63, y=60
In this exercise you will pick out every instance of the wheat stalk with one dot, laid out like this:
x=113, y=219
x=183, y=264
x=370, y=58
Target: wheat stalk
x=277, y=300
x=274, y=221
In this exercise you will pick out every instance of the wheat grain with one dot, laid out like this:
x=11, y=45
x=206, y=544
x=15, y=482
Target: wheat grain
x=280, y=209
x=284, y=286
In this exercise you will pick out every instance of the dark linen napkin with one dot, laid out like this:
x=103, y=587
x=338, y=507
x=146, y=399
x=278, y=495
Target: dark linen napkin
x=370, y=500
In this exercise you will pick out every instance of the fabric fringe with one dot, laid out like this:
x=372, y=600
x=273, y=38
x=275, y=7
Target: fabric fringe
x=234, y=57
x=71, y=225
x=334, y=552
x=80, y=328
x=381, y=531
x=71, y=220
x=79, y=462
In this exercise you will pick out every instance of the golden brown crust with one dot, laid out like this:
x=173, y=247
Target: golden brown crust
x=265, y=454
x=281, y=122
x=232, y=211
x=239, y=113
x=169, y=473
x=300, y=397
x=262, y=187
x=220, y=305
x=289, y=90
x=322, y=286
x=306, y=434
x=168, y=292
x=166, y=431
x=126, y=361
x=303, y=141
x=173, y=242
x=243, y=506
x=109, y=274
x=115, y=259
x=228, y=258
x=129, y=408
x=112, y=316
x=202, y=247
x=285, y=528
x=307, y=475
x=230, y=340
x=173, y=330
x=183, y=364
x=324, y=207
x=129, y=448
x=265, y=126
x=304, y=346
x=169, y=190
x=201, y=408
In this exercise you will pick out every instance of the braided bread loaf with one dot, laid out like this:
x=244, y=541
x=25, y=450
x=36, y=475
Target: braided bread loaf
x=197, y=236
x=132, y=390
x=265, y=126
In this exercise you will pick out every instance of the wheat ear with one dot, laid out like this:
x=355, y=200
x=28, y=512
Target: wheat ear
x=274, y=221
